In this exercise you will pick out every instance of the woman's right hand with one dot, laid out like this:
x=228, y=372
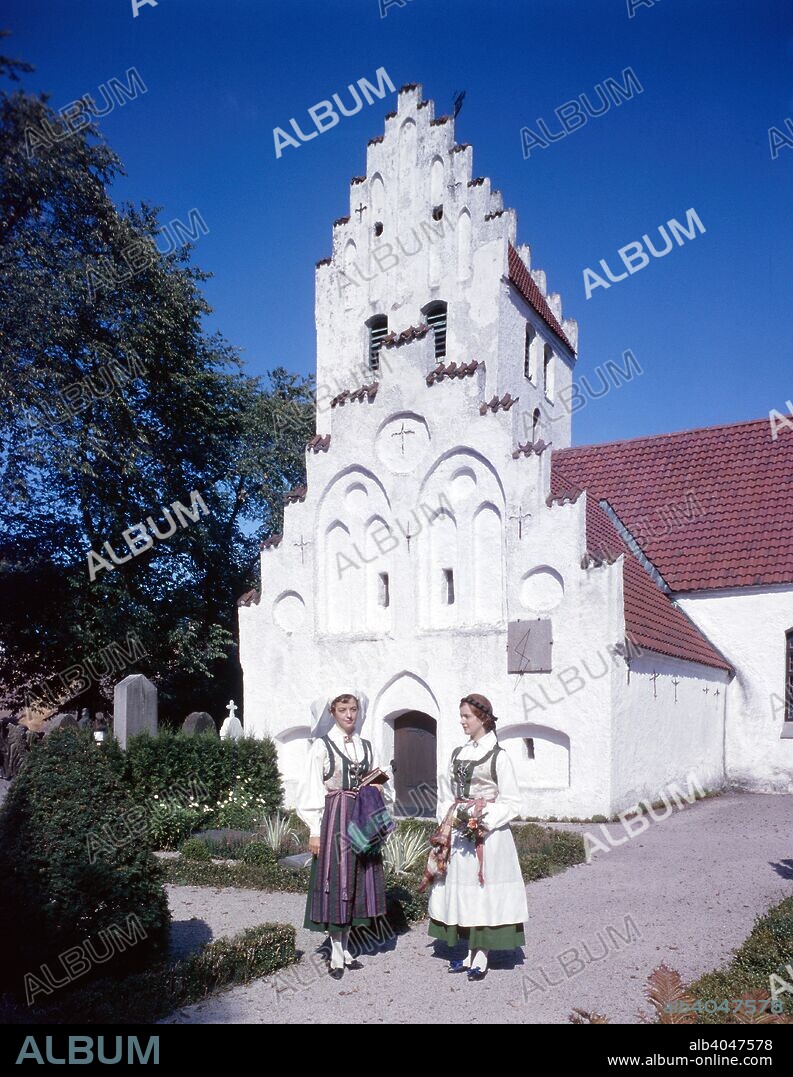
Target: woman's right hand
x=313, y=846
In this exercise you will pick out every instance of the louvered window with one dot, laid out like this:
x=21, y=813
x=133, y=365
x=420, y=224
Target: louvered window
x=789, y=676
x=435, y=316
x=378, y=330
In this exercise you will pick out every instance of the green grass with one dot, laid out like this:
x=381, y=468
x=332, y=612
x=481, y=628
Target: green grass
x=767, y=949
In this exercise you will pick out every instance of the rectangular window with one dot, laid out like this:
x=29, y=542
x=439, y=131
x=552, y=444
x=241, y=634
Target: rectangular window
x=448, y=587
x=529, y=742
x=384, y=596
x=378, y=331
x=789, y=676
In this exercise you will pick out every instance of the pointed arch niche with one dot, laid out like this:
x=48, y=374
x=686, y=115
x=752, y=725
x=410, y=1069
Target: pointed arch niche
x=352, y=538
x=460, y=548
x=403, y=696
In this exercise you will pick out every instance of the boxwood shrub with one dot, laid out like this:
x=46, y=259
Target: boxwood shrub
x=74, y=863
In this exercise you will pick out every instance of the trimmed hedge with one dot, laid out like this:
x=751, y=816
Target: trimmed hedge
x=168, y=765
x=74, y=863
x=148, y=996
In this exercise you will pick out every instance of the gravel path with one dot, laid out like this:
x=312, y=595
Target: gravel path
x=685, y=891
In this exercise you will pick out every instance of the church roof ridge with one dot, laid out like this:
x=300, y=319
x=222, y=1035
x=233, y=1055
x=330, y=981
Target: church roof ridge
x=527, y=286
x=597, y=445
x=708, y=506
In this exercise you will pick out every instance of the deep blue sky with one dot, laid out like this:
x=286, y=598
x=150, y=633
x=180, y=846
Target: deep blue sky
x=708, y=323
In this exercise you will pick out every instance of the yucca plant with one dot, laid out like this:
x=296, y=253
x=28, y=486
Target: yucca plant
x=275, y=831
x=404, y=849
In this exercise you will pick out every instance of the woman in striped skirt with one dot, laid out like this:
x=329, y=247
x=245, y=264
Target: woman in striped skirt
x=346, y=889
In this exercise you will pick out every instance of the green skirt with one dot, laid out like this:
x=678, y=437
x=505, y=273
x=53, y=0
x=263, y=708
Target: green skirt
x=500, y=937
x=313, y=925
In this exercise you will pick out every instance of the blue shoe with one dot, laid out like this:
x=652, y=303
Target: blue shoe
x=458, y=966
x=477, y=974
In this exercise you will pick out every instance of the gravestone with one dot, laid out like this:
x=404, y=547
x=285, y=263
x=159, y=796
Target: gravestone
x=199, y=722
x=134, y=708
x=61, y=721
x=232, y=726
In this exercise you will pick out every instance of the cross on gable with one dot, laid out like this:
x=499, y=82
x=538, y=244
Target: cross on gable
x=521, y=516
x=654, y=678
x=401, y=434
x=359, y=210
x=302, y=544
x=675, y=682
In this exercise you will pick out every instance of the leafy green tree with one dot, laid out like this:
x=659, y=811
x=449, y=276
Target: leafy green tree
x=115, y=402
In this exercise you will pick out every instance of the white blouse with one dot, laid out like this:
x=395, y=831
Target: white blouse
x=310, y=799
x=507, y=805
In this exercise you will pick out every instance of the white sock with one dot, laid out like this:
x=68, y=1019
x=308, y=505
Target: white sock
x=345, y=944
x=467, y=961
x=336, y=951
x=480, y=960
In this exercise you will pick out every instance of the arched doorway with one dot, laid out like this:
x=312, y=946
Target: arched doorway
x=415, y=764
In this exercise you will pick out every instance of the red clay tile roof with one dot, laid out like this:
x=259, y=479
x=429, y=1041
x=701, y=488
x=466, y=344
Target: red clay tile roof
x=452, y=370
x=524, y=282
x=271, y=542
x=652, y=620
x=413, y=332
x=505, y=403
x=293, y=496
x=530, y=448
x=368, y=391
x=709, y=508
x=248, y=598
x=319, y=442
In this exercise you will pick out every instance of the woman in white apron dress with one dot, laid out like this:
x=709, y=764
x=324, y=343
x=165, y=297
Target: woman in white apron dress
x=481, y=898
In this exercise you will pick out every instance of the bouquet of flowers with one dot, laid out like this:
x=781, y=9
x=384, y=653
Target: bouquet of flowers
x=470, y=824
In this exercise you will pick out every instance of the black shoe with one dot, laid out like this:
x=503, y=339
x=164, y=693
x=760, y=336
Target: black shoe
x=477, y=974
x=354, y=965
x=336, y=974
x=458, y=966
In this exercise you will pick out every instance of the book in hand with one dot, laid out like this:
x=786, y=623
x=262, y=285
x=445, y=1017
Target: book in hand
x=374, y=777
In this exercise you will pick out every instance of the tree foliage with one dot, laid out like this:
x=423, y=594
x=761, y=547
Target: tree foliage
x=116, y=402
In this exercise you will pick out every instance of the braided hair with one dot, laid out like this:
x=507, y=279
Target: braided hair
x=484, y=709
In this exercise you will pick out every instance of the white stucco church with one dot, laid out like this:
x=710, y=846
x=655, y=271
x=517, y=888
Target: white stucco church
x=627, y=607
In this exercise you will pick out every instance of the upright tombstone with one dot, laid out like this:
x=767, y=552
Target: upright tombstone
x=232, y=726
x=199, y=722
x=60, y=721
x=134, y=708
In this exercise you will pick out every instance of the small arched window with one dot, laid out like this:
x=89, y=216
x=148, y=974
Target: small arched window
x=378, y=330
x=535, y=425
x=789, y=675
x=528, y=351
x=435, y=315
x=547, y=371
